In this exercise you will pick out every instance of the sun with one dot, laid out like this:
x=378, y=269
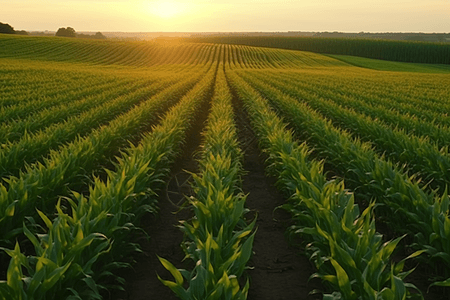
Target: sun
x=165, y=9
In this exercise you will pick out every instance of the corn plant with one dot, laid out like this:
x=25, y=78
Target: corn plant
x=406, y=51
x=401, y=114
x=13, y=131
x=417, y=154
x=405, y=202
x=66, y=260
x=344, y=244
x=217, y=239
x=34, y=147
x=20, y=103
x=41, y=185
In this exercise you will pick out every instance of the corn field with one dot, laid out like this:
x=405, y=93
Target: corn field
x=91, y=132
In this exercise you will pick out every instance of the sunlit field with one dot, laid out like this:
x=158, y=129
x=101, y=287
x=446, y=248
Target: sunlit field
x=95, y=133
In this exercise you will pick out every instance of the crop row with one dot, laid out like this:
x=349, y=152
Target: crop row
x=428, y=103
x=22, y=109
x=156, y=54
x=64, y=169
x=68, y=108
x=406, y=207
x=217, y=239
x=393, y=113
x=137, y=54
x=27, y=81
x=34, y=147
x=419, y=156
x=244, y=57
x=80, y=249
x=344, y=245
x=406, y=51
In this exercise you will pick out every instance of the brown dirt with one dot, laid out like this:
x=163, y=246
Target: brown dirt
x=279, y=270
x=165, y=238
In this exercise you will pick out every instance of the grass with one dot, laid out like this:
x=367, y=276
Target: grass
x=395, y=66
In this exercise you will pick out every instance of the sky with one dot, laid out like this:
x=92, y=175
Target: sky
x=226, y=16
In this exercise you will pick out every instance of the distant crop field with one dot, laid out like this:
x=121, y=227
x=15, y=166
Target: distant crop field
x=106, y=146
x=403, y=51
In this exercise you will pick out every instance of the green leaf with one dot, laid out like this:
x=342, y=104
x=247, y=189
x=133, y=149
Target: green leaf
x=45, y=219
x=54, y=276
x=441, y=283
x=343, y=280
x=398, y=287
x=11, y=209
x=174, y=271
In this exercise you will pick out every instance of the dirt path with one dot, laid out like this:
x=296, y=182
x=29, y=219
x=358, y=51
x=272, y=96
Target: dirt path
x=279, y=270
x=165, y=237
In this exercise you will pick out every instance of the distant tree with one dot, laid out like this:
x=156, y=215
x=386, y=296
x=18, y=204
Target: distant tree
x=21, y=32
x=6, y=28
x=67, y=32
x=96, y=36
x=99, y=35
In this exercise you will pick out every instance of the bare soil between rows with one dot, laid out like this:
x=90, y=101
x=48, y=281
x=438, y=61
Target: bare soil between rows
x=277, y=270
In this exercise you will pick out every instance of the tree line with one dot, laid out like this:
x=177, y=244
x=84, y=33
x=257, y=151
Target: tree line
x=8, y=29
x=63, y=32
x=70, y=32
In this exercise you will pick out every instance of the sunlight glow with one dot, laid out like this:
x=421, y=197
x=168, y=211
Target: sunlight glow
x=228, y=16
x=165, y=9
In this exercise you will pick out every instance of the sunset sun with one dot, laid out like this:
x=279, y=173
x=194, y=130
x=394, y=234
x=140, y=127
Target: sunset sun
x=165, y=9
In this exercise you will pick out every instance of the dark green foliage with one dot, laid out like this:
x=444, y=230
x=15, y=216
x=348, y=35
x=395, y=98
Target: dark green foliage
x=67, y=32
x=6, y=28
x=406, y=51
x=97, y=36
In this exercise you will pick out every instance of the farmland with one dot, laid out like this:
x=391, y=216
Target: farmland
x=106, y=146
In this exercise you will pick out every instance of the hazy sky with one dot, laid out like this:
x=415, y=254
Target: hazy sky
x=232, y=15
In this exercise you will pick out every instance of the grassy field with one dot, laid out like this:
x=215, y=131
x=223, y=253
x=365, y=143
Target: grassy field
x=383, y=65
x=102, y=141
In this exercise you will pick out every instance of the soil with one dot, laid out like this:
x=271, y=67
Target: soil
x=165, y=238
x=277, y=270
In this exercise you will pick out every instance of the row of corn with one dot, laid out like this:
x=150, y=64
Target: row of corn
x=400, y=113
x=136, y=54
x=26, y=93
x=401, y=203
x=217, y=239
x=418, y=154
x=81, y=248
x=343, y=242
x=34, y=146
x=69, y=167
x=425, y=97
x=13, y=130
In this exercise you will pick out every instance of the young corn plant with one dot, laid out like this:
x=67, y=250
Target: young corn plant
x=420, y=122
x=344, y=244
x=67, y=168
x=217, y=239
x=80, y=249
x=33, y=147
x=417, y=154
x=403, y=201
